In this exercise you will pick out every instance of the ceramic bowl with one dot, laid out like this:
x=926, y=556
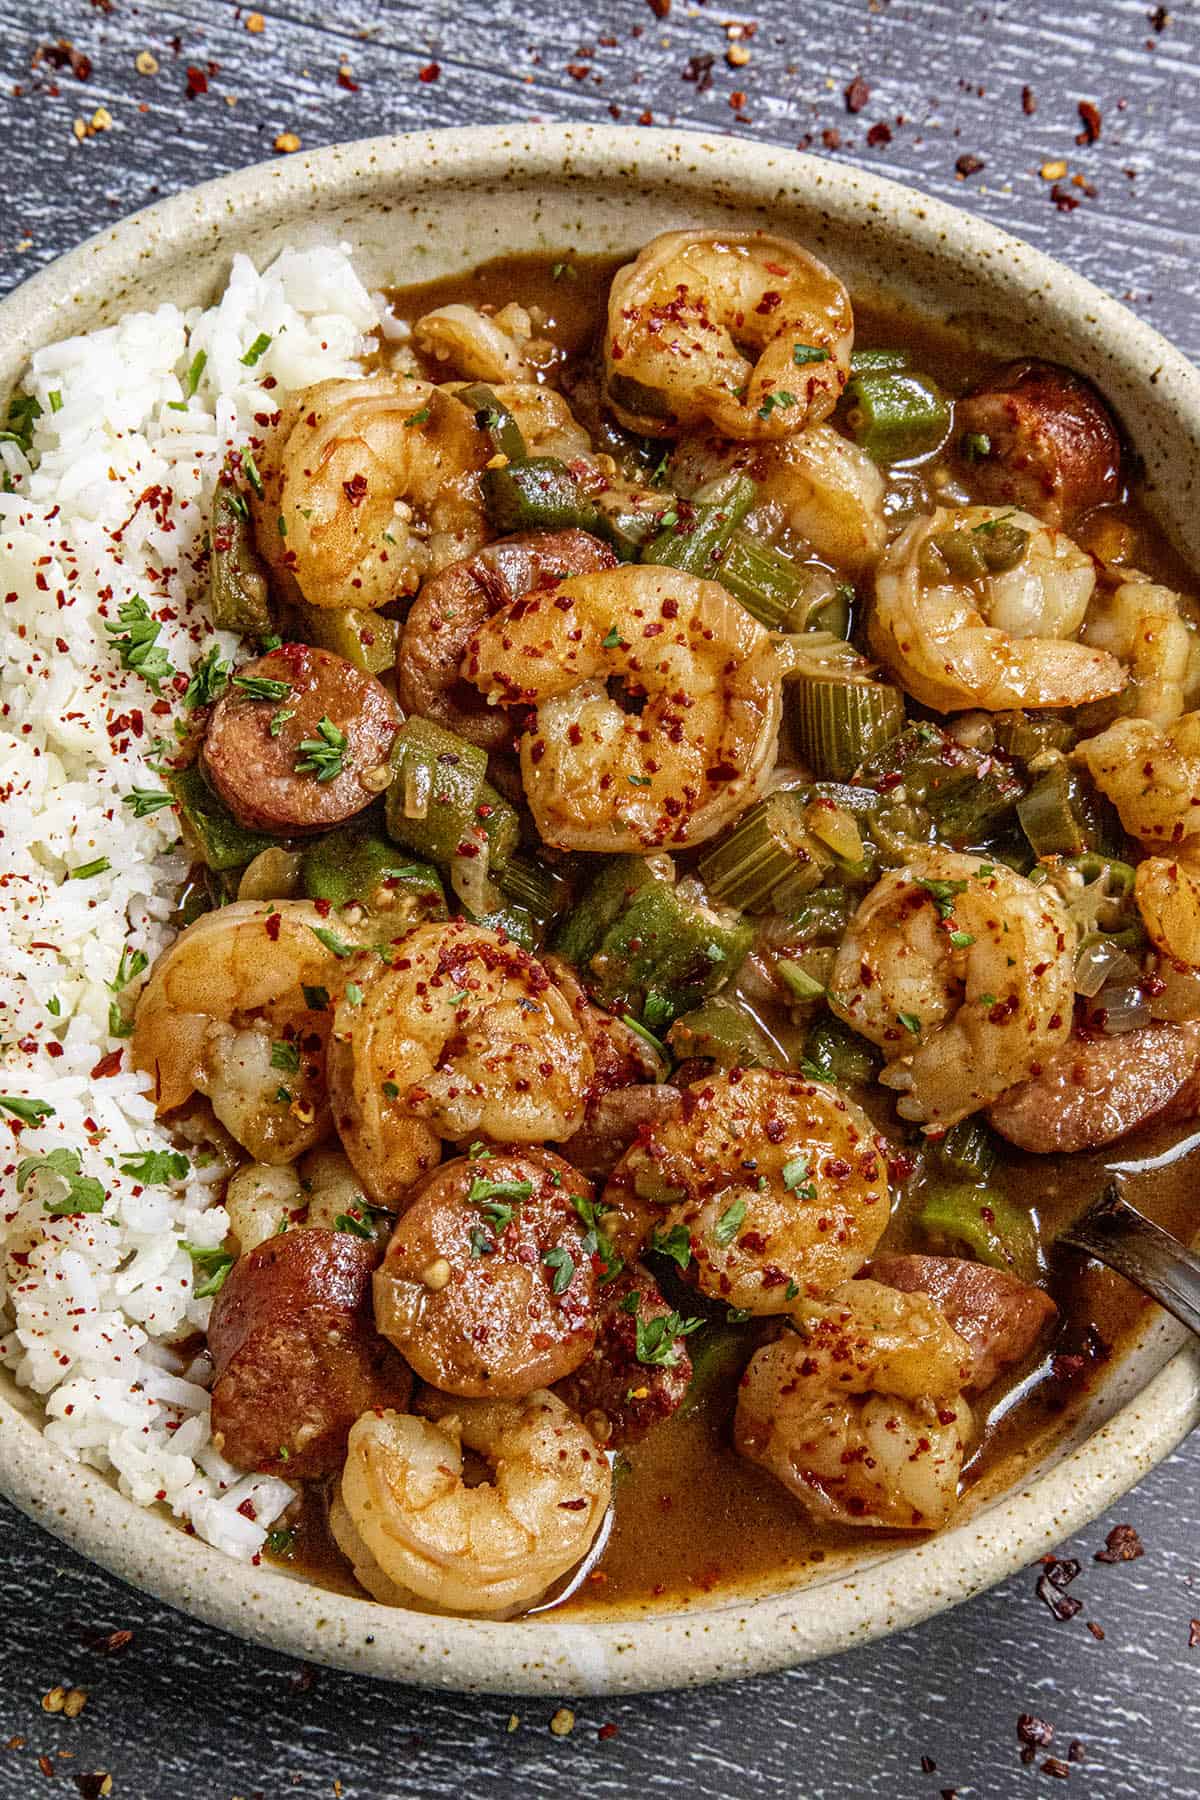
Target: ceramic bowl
x=417, y=207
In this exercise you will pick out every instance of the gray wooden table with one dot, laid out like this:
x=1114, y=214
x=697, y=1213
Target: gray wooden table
x=183, y=1713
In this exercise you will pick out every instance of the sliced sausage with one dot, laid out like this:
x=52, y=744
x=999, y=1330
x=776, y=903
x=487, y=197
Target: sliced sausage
x=297, y=1355
x=1000, y=1317
x=488, y=1286
x=619, y=1398
x=612, y=1123
x=452, y=606
x=257, y=735
x=1052, y=445
x=1093, y=1090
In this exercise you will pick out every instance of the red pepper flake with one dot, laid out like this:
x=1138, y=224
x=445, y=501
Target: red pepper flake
x=928, y=1766
x=610, y=1730
x=346, y=80
x=1028, y=102
x=969, y=165
x=47, y=1767
x=63, y=55
x=197, y=82
x=355, y=489
x=831, y=137
x=1057, y=1576
x=857, y=95
x=108, y=1065
x=699, y=69
x=1121, y=1545
x=1090, y=119
x=106, y=1643
x=1033, y=1734
x=660, y=8
x=1075, y=1751
x=1097, y=1631
x=879, y=134
x=1193, y=1634
x=1054, y=1765
x=1064, y=201
x=430, y=72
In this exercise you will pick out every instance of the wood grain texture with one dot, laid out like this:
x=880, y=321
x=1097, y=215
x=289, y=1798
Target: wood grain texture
x=187, y=1714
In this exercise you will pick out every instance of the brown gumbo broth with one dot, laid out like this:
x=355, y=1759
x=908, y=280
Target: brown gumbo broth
x=690, y=1513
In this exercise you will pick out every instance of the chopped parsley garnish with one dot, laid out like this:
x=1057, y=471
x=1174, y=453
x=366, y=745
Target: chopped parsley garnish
x=316, y=999
x=563, y=1264
x=944, y=894
x=595, y=1242
x=323, y=755
x=791, y=1291
x=262, y=687
x=84, y=1193
x=795, y=1178
x=642, y=781
x=354, y=993
x=118, y=1025
x=782, y=398
x=135, y=635
x=420, y=417
x=975, y=446
x=209, y=680
x=331, y=941
x=668, y=519
x=350, y=1222
x=283, y=1096
x=631, y=1303
x=212, y=1265
x=55, y=397
x=482, y=1190
x=252, y=474
x=481, y=1243
x=729, y=1223
x=54, y=1006
x=808, y=353
x=564, y=270
x=962, y=940
x=676, y=1243
x=611, y=639
x=737, y=1315
x=131, y=965
x=23, y=412
x=660, y=468
x=285, y=1056
x=144, y=801
x=658, y=1344
x=156, y=1168
x=262, y=342
x=910, y=1022
x=99, y=865
x=280, y=719
x=195, y=371
x=656, y=1010
x=271, y=642
x=279, y=1542
x=989, y=525
x=478, y=1151
x=390, y=1090
x=987, y=999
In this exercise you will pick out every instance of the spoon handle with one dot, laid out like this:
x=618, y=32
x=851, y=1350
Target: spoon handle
x=1116, y=1234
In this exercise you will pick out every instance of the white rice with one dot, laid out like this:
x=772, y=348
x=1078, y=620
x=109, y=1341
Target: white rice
x=113, y=502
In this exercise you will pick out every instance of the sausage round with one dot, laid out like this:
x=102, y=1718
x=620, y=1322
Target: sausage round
x=488, y=1286
x=618, y=1398
x=452, y=606
x=255, y=739
x=1094, y=1090
x=297, y=1355
x=997, y=1315
x=1053, y=448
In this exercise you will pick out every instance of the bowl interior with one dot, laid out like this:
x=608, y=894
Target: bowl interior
x=415, y=208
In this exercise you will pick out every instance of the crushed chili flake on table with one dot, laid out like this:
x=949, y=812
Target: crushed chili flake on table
x=1065, y=202
x=1097, y=1631
x=106, y=1643
x=606, y=1732
x=928, y=1766
x=879, y=134
x=660, y=8
x=857, y=95
x=1121, y=1545
x=1054, y=1765
x=1056, y=1576
x=430, y=72
x=1193, y=1634
x=197, y=82
x=699, y=69
x=969, y=165
x=1075, y=1751
x=63, y=55
x=1028, y=102
x=1089, y=115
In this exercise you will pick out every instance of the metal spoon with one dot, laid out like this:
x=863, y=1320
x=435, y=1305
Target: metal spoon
x=1116, y=1234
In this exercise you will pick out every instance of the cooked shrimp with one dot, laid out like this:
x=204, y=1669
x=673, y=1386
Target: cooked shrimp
x=489, y=1549
x=488, y=1287
x=1168, y=896
x=263, y=1200
x=225, y=1013
x=778, y=1181
x=1141, y=623
x=963, y=973
x=546, y=421
x=369, y=485
x=599, y=777
x=860, y=1413
x=682, y=317
x=367, y=1571
x=1151, y=773
x=1002, y=640
x=816, y=483
x=452, y=605
x=481, y=346
x=464, y=1035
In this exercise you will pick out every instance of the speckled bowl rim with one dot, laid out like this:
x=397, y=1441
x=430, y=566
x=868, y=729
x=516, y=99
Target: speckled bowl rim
x=731, y=1637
